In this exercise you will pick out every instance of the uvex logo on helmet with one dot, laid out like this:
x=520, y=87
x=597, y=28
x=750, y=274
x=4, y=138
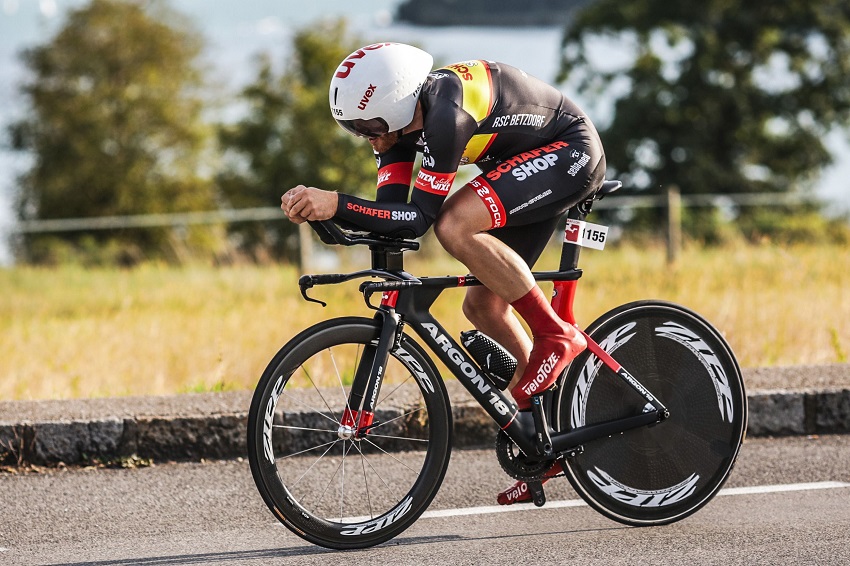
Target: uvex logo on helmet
x=346, y=66
x=366, y=96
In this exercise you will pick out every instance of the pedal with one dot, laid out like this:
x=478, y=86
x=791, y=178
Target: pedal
x=535, y=488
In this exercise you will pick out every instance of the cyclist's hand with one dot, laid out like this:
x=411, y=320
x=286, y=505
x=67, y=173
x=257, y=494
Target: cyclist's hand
x=308, y=203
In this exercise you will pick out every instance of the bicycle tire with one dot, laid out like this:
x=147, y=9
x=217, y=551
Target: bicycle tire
x=297, y=456
x=665, y=472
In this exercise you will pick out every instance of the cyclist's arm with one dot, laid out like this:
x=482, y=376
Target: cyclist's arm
x=447, y=129
x=395, y=169
x=389, y=213
x=400, y=219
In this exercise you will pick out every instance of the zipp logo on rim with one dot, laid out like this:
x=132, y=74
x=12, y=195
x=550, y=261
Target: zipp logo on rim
x=268, y=420
x=591, y=368
x=707, y=358
x=642, y=498
x=383, y=522
x=416, y=369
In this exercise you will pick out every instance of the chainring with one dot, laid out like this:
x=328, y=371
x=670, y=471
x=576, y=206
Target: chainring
x=515, y=463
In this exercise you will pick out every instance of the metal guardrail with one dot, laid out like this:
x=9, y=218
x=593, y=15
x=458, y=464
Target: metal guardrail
x=148, y=220
x=274, y=213
x=718, y=200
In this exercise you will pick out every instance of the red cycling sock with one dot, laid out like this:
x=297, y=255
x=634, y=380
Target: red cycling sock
x=556, y=343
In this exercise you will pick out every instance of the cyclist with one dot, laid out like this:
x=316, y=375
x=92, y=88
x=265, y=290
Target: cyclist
x=539, y=155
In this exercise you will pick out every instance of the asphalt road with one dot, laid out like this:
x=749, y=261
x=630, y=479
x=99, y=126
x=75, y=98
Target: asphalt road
x=210, y=513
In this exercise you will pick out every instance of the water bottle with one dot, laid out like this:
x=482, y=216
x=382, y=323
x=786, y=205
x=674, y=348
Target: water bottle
x=494, y=360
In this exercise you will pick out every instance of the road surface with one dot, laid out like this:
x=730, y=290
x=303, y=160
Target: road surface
x=787, y=502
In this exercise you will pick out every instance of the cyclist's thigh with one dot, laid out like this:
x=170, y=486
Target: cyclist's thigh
x=528, y=240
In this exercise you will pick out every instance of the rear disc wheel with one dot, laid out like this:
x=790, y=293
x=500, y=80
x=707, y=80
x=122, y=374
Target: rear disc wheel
x=661, y=473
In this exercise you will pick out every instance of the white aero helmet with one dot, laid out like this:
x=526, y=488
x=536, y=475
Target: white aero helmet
x=375, y=89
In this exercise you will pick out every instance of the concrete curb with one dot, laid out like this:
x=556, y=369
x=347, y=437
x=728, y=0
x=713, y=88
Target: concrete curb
x=192, y=427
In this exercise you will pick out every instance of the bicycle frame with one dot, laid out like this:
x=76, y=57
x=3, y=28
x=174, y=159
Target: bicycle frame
x=407, y=300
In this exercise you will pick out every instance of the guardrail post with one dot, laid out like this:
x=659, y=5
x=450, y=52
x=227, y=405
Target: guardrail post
x=674, y=224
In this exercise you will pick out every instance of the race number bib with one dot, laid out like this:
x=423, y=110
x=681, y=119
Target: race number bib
x=586, y=234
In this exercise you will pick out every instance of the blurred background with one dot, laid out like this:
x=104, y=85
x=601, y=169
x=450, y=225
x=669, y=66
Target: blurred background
x=159, y=135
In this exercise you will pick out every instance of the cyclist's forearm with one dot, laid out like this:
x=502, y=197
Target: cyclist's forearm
x=391, y=218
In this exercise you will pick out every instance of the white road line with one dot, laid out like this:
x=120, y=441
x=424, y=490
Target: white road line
x=759, y=489
x=780, y=488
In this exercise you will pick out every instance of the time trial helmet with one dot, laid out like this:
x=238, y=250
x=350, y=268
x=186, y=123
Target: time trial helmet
x=374, y=90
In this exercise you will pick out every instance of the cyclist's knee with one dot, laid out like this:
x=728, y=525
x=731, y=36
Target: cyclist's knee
x=450, y=231
x=462, y=216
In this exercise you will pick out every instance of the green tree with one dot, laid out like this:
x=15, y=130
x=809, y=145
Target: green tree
x=115, y=128
x=720, y=96
x=288, y=137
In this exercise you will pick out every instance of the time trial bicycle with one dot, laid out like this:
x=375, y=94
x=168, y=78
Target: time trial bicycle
x=350, y=427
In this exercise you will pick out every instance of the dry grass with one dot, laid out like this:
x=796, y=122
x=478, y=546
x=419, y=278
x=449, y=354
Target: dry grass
x=71, y=332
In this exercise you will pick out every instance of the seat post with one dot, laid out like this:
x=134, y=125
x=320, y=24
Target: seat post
x=569, y=251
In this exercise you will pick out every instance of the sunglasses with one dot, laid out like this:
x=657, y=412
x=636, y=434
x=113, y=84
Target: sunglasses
x=372, y=128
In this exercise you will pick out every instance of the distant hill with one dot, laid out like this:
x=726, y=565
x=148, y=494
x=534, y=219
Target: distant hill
x=489, y=12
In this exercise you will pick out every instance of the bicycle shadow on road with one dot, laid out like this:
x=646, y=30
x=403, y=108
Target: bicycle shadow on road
x=302, y=551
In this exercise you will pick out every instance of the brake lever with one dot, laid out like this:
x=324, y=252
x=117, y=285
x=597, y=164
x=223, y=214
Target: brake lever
x=304, y=283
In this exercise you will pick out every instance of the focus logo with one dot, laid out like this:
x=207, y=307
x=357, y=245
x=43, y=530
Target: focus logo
x=491, y=201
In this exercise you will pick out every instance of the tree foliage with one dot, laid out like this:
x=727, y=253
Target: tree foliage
x=720, y=96
x=115, y=128
x=288, y=136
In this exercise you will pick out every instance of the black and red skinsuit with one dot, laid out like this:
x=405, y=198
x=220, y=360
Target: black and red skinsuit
x=538, y=153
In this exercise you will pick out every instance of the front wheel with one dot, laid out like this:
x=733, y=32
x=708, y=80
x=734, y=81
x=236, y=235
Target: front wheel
x=329, y=486
x=661, y=473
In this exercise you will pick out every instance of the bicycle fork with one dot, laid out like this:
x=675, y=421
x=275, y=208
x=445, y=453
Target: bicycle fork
x=359, y=414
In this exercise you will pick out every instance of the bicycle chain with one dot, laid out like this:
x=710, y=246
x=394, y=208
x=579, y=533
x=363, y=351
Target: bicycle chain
x=516, y=465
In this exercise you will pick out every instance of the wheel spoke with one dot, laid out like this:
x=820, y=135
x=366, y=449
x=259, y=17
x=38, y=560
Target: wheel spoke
x=366, y=482
x=380, y=477
x=345, y=450
x=293, y=398
x=288, y=427
x=425, y=440
x=379, y=425
x=391, y=456
x=330, y=481
x=319, y=391
x=332, y=442
x=396, y=388
x=339, y=377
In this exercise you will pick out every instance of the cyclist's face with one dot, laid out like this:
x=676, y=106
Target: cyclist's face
x=383, y=143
